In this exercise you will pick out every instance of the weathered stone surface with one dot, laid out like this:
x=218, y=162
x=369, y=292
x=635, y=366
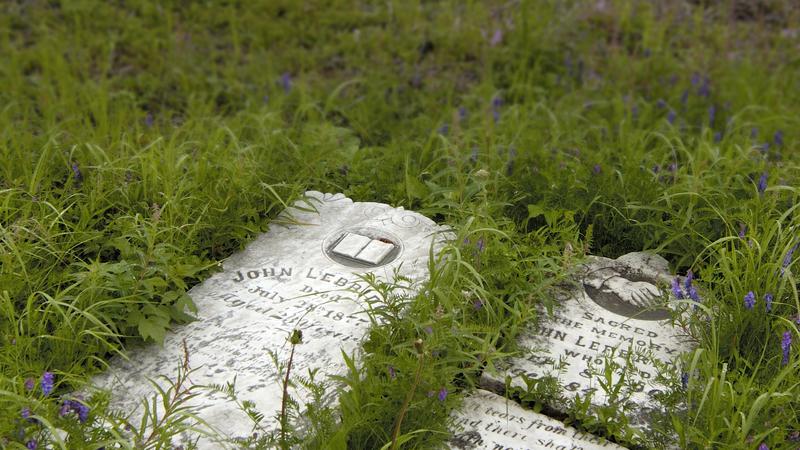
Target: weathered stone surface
x=489, y=421
x=618, y=306
x=303, y=275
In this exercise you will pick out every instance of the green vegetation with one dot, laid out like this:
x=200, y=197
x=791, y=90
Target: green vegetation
x=142, y=142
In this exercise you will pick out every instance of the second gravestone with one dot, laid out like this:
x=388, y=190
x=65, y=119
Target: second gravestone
x=616, y=316
x=303, y=274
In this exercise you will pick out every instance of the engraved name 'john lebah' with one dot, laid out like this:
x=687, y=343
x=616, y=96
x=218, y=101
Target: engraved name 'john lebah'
x=264, y=272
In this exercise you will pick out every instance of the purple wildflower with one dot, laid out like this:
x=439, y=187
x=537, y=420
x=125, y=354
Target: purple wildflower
x=25, y=413
x=705, y=89
x=672, y=167
x=428, y=329
x=286, y=82
x=762, y=183
x=76, y=172
x=65, y=409
x=597, y=169
x=479, y=245
x=444, y=129
x=462, y=113
x=32, y=444
x=689, y=277
x=82, y=411
x=742, y=230
x=786, y=345
x=712, y=114
x=47, y=383
x=497, y=38
x=717, y=137
x=392, y=372
x=753, y=132
x=750, y=300
x=661, y=103
x=442, y=394
x=635, y=111
x=30, y=383
x=477, y=304
x=656, y=168
x=685, y=379
x=778, y=138
x=695, y=79
x=768, y=301
x=671, y=116
x=497, y=102
x=676, y=288
x=691, y=292
x=763, y=446
x=685, y=96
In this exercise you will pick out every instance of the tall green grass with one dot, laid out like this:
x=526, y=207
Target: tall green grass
x=141, y=143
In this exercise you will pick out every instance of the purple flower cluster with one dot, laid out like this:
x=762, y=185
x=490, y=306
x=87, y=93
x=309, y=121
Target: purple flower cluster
x=778, y=138
x=497, y=102
x=442, y=394
x=286, y=82
x=750, y=300
x=48, y=380
x=786, y=345
x=676, y=289
x=768, y=301
x=76, y=173
x=688, y=290
x=762, y=183
x=74, y=406
x=788, y=258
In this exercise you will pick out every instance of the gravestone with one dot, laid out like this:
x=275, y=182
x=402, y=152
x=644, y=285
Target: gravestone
x=488, y=421
x=304, y=273
x=618, y=312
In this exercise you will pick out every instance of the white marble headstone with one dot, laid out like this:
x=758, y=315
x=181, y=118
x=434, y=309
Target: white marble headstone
x=302, y=274
x=488, y=421
x=619, y=307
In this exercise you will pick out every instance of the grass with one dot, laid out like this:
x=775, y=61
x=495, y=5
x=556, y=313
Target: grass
x=143, y=142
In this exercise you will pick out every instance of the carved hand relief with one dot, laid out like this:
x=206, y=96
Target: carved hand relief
x=304, y=273
x=626, y=293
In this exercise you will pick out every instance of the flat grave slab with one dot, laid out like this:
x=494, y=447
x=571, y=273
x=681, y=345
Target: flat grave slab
x=489, y=421
x=619, y=310
x=302, y=274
